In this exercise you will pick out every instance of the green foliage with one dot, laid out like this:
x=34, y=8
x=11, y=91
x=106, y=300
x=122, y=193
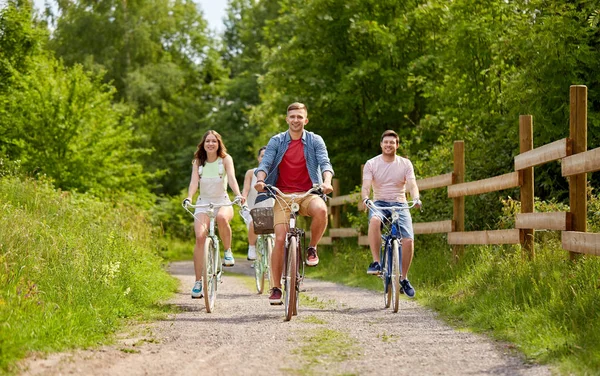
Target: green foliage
x=73, y=268
x=62, y=123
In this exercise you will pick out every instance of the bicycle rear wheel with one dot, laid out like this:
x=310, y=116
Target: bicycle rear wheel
x=259, y=264
x=209, y=275
x=289, y=286
x=395, y=282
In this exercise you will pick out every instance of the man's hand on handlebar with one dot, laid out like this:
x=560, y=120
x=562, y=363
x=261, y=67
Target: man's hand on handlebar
x=418, y=203
x=326, y=188
x=260, y=186
x=187, y=201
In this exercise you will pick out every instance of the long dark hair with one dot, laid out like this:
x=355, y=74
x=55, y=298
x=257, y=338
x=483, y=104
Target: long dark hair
x=200, y=153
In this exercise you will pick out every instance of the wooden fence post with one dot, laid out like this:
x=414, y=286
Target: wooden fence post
x=459, y=202
x=578, y=182
x=527, y=193
x=335, y=210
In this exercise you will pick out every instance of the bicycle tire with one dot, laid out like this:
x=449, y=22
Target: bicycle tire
x=385, y=272
x=395, y=282
x=290, y=278
x=209, y=275
x=297, y=303
x=270, y=245
x=259, y=264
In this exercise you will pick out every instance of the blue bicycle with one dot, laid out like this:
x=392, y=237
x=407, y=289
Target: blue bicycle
x=391, y=252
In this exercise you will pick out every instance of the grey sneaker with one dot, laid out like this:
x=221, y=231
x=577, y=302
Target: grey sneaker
x=228, y=259
x=407, y=288
x=197, y=290
x=374, y=268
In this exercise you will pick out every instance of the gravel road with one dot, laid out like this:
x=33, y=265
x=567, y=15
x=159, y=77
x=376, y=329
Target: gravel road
x=339, y=331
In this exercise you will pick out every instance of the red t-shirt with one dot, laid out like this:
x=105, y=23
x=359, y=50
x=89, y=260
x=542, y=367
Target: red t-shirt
x=293, y=174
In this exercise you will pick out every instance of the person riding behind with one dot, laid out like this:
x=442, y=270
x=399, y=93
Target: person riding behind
x=250, y=193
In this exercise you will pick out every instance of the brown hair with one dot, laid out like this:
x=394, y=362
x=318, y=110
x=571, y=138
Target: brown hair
x=297, y=106
x=390, y=132
x=200, y=153
x=261, y=149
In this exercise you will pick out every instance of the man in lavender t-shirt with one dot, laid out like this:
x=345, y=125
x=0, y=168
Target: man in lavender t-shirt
x=390, y=176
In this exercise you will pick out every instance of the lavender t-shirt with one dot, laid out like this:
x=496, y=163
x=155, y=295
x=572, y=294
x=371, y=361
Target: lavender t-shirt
x=389, y=178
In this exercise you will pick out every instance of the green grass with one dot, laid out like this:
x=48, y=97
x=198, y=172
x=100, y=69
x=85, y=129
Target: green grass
x=549, y=308
x=73, y=270
x=325, y=346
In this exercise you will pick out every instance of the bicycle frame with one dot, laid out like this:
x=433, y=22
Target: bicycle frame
x=294, y=259
x=213, y=269
x=390, y=253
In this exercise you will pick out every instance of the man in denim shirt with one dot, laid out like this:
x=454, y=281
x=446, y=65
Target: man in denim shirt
x=294, y=161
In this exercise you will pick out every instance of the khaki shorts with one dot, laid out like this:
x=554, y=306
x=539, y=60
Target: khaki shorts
x=282, y=214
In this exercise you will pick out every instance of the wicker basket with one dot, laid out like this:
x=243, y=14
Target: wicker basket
x=263, y=220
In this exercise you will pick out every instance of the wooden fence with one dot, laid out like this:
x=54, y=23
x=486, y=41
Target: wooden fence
x=576, y=162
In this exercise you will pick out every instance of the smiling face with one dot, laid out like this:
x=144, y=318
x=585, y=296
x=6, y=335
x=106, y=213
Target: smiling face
x=297, y=119
x=211, y=144
x=389, y=145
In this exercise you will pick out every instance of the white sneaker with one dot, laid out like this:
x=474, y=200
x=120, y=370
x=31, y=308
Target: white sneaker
x=251, y=253
x=197, y=290
x=228, y=259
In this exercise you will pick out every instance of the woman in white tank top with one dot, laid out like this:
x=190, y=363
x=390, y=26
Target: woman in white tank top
x=250, y=193
x=212, y=169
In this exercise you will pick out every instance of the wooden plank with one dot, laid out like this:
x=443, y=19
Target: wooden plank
x=433, y=227
x=497, y=183
x=581, y=242
x=346, y=199
x=435, y=182
x=343, y=232
x=511, y=236
x=543, y=154
x=363, y=240
x=325, y=240
x=544, y=221
x=588, y=161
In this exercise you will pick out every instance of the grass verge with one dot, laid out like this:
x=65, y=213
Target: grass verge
x=73, y=270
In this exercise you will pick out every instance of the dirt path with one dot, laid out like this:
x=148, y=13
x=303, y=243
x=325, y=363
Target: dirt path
x=339, y=330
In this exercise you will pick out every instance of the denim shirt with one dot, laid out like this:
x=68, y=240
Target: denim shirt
x=315, y=153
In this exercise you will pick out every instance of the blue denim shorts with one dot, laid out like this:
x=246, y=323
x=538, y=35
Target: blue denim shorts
x=406, y=228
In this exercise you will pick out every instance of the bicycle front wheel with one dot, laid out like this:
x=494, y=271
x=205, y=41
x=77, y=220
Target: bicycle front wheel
x=209, y=277
x=291, y=268
x=386, y=270
x=259, y=264
x=269, y=241
x=395, y=274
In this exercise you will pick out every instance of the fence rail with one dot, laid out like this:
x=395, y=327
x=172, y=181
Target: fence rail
x=575, y=160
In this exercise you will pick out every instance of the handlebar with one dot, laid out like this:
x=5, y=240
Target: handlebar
x=274, y=191
x=410, y=205
x=187, y=204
